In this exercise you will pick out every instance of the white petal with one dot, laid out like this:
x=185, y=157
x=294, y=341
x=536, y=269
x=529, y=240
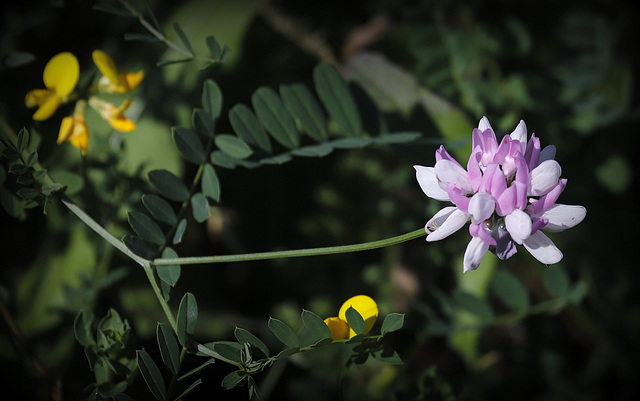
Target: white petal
x=520, y=134
x=445, y=223
x=484, y=124
x=562, y=217
x=474, y=253
x=481, y=206
x=428, y=181
x=518, y=224
x=548, y=153
x=541, y=247
x=544, y=178
x=450, y=172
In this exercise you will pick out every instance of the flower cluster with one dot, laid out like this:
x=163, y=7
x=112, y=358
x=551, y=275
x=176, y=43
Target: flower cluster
x=508, y=191
x=364, y=305
x=61, y=76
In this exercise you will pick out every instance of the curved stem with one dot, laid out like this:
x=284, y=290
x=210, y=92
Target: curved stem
x=293, y=253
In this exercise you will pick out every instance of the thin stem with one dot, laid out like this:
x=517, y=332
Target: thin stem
x=293, y=253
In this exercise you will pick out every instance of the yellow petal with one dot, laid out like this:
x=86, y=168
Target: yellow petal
x=366, y=307
x=122, y=124
x=106, y=66
x=61, y=73
x=66, y=127
x=36, y=97
x=80, y=137
x=339, y=328
x=132, y=79
x=47, y=109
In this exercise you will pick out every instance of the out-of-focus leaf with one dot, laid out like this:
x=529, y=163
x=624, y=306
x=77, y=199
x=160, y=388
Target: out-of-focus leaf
x=183, y=37
x=472, y=304
x=351, y=143
x=303, y=106
x=23, y=140
x=320, y=150
x=189, y=145
x=182, y=226
x=248, y=128
x=233, y=146
x=388, y=355
x=72, y=181
x=275, y=117
x=17, y=59
x=337, y=100
x=169, y=185
x=557, y=281
x=189, y=389
x=212, y=98
x=510, y=290
x=83, y=328
x=245, y=336
x=168, y=348
x=397, y=137
x=220, y=158
x=139, y=246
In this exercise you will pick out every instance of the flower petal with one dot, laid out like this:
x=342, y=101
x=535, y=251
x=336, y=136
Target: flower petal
x=339, y=328
x=474, y=253
x=106, y=66
x=47, y=108
x=444, y=223
x=518, y=224
x=541, y=247
x=520, y=134
x=484, y=124
x=544, y=178
x=481, y=206
x=66, y=128
x=61, y=73
x=562, y=217
x=450, y=172
x=428, y=182
x=548, y=153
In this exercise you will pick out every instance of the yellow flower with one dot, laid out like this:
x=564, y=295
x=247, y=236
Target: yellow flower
x=60, y=77
x=111, y=81
x=112, y=114
x=364, y=305
x=74, y=128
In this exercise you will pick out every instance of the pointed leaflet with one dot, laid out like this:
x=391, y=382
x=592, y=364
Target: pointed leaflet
x=169, y=185
x=233, y=379
x=355, y=320
x=23, y=140
x=189, y=389
x=320, y=150
x=139, y=246
x=214, y=47
x=151, y=375
x=233, y=146
x=393, y=322
x=337, y=99
x=203, y=123
x=83, y=328
x=169, y=273
x=182, y=226
x=189, y=145
x=275, y=118
x=199, y=207
x=210, y=183
x=212, y=98
x=305, y=109
x=182, y=37
x=159, y=208
x=315, y=325
x=245, y=336
x=169, y=349
x=283, y=333
x=187, y=318
x=248, y=128
x=510, y=290
x=146, y=228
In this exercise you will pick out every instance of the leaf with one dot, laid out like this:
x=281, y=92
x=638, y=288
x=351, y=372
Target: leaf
x=510, y=290
x=285, y=353
x=160, y=209
x=397, y=137
x=472, y=304
x=197, y=369
x=32, y=159
x=139, y=246
x=16, y=59
x=169, y=349
x=320, y=150
x=164, y=63
x=275, y=118
x=183, y=37
x=355, y=320
x=233, y=146
x=83, y=328
x=18, y=169
x=189, y=389
x=189, y=145
x=142, y=37
x=388, y=355
x=187, y=318
x=73, y=181
x=203, y=123
x=316, y=325
x=170, y=274
x=337, y=100
x=210, y=183
x=146, y=228
x=222, y=159
x=169, y=185
x=151, y=375
x=182, y=226
x=214, y=47
x=299, y=101
x=228, y=349
x=233, y=379
x=212, y=98
x=244, y=336
x=23, y=140
x=248, y=128
x=283, y=333
x=280, y=159
x=199, y=207
x=391, y=323
x=557, y=281
x=28, y=193
x=351, y=143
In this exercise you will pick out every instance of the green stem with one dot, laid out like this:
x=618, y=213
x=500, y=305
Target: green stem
x=293, y=253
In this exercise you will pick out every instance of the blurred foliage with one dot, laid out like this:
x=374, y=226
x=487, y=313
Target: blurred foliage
x=510, y=330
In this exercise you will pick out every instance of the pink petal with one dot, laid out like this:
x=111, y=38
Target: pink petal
x=520, y=134
x=428, y=182
x=541, y=247
x=562, y=217
x=481, y=206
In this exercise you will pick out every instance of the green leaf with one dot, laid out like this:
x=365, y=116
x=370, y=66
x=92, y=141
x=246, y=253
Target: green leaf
x=199, y=207
x=304, y=107
x=210, y=183
x=170, y=274
x=169, y=185
x=233, y=379
x=244, y=336
x=160, y=209
x=18, y=169
x=16, y=59
x=26, y=179
x=248, y=128
x=222, y=159
x=151, y=375
x=203, y=123
x=275, y=118
x=510, y=290
x=23, y=140
x=139, y=246
x=283, y=333
x=285, y=353
x=226, y=51
x=355, y=320
x=227, y=349
x=212, y=99
x=280, y=159
x=320, y=150
x=391, y=323
x=83, y=328
x=388, y=355
x=187, y=318
x=189, y=145
x=351, y=143
x=164, y=63
x=182, y=37
x=169, y=349
x=146, y=228
x=28, y=193
x=316, y=325
x=182, y=226
x=142, y=37
x=397, y=137
x=557, y=281
x=233, y=146
x=74, y=182
x=197, y=370
x=32, y=159
x=337, y=100
x=214, y=47
x=472, y=304
x=189, y=389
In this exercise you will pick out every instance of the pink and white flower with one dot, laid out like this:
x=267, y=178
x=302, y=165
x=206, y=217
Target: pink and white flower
x=508, y=192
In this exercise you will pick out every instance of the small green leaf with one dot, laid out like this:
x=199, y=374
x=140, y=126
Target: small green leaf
x=189, y=145
x=18, y=169
x=397, y=137
x=108, y=7
x=355, y=320
x=151, y=375
x=337, y=100
x=285, y=353
x=169, y=185
x=393, y=322
x=198, y=369
x=210, y=183
x=16, y=59
x=187, y=318
x=320, y=150
x=25, y=180
x=160, y=209
x=74, y=182
x=182, y=226
x=305, y=109
x=214, y=47
x=144, y=37
x=248, y=128
x=510, y=290
x=222, y=159
x=212, y=98
x=275, y=117
x=164, y=63
x=233, y=379
x=23, y=140
x=283, y=333
x=182, y=37
x=139, y=246
x=146, y=228
x=203, y=123
x=199, y=207
x=83, y=328
x=170, y=274
x=226, y=50
x=472, y=304
x=244, y=336
x=227, y=349
x=280, y=159
x=28, y=193
x=316, y=325
x=233, y=146
x=189, y=389
x=351, y=143
x=169, y=349
x=32, y=159
x=388, y=355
